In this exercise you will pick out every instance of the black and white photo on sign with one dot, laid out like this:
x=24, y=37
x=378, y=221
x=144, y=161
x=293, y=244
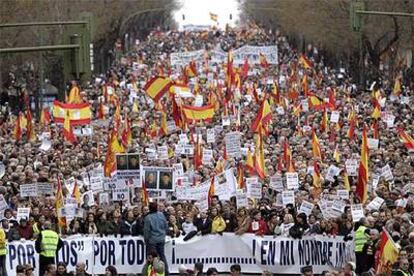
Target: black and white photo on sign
x=165, y=181
x=104, y=199
x=158, y=178
x=87, y=199
x=127, y=162
x=121, y=162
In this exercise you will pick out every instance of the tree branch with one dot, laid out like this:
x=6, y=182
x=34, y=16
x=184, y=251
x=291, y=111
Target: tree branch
x=394, y=39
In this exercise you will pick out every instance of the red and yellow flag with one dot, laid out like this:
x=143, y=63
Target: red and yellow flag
x=306, y=63
x=60, y=204
x=203, y=113
x=316, y=148
x=145, y=196
x=336, y=155
x=126, y=133
x=240, y=177
x=316, y=103
x=317, y=181
x=376, y=114
x=67, y=129
x=76, y=193
x=396, y=91
x=211, y=191
x=213, y=17
x=74, y=95
x=263, y=61
x=407, y=140
x=386, y=255
x=79, y=114
x=114, y=147
x=30, y=132
x=324, y=122
x=363, y=175
x=263, y=117
x=259, y=157
x=305, y=85
x=250, y=162
x=45, y=118
x=164, y=126
x=157, y=87
x=17, y=132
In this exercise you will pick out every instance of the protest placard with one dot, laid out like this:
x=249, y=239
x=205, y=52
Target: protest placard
x=306, y=207
x=292, y=180
x=288, y=197
x=23, y=213
x=27, y=190
x=44, y=189
x=254, y=189
x=335, y=116
x=342, y=194
x=387, y=173
x=375, y=204
x=96, y=184
x=233, y=145
x=357, y=212
x=207, y=156
x=162, y=153
x=241, y=199
x=351, y=166
x=373, y=143
x=211, y=135
x=127, y=165
x=276, y=182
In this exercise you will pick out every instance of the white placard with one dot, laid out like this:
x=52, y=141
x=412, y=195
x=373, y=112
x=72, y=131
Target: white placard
x=288, y=197
x=254, y=189
x=46, y=144
x=338, y=205
x=387, y=173
x=162, y=153
x=373, y=143
x=27, y=190
x=233, y=145
x=292, y=180
x=332, y=171
x=23, y=213
x=179, y=169
x=3, y=204
x=342, y=194
x=375, y=204
x=211, y=135
x=357, y=212
x=241, y=199
x=225, y=121
x=306, y=207
x=198, y=101
x=276, y=182
x=351, y=166
x=96, y=184
x=334, y=116
x=207, y=156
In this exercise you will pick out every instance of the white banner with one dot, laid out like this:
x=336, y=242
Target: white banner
x=254, y=254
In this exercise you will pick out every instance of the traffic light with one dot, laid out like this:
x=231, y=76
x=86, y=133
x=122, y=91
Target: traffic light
x=356, y=19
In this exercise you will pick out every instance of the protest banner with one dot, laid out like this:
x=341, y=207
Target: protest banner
x=254, y=254
x=184, y=58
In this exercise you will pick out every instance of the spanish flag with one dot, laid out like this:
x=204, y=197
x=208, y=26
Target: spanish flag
x=376, y=114
x=245, y=71
x=287, y=156
x=79, y=114
x=386, y=255
x=213, y=17
x=164, y=127
x=263, y=61
x=317, y=181
x=60, y=204
x=407, y=140
x=250, y=162
x=305, y=85
x=101, y=111
x=263, y=117
x=67, y=129
x=324, y=122
x=346, y=180
x=240, y=177
x=362, y=186
x=211, y=191
x=157, y=87
x=315, y=102
x=45, y=117
x=230, y=71
x=331, y=97
x=259, y=157
x=306, y=63
x=191, y=70
x=145, y=196
x=316, y=148
x=126, y=133
x=75, y=193
x=198, y=152
x=74, y=95
x=17, y=132
x=297, y=110
x=397, y=87
x=336, y=155
x=203, y=113
x=30, y=132
x=114, y=147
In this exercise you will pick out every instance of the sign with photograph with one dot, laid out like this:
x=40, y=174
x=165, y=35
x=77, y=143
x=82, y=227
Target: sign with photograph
x=127, y=165
x=158, y=178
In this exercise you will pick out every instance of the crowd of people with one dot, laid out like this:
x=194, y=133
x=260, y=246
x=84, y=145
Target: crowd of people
x=287, y=86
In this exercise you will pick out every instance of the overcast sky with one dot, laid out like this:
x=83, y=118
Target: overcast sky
x=197, y=12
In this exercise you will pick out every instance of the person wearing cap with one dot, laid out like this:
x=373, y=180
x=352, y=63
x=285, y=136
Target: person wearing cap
x=48, y=243
x=3, y=252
